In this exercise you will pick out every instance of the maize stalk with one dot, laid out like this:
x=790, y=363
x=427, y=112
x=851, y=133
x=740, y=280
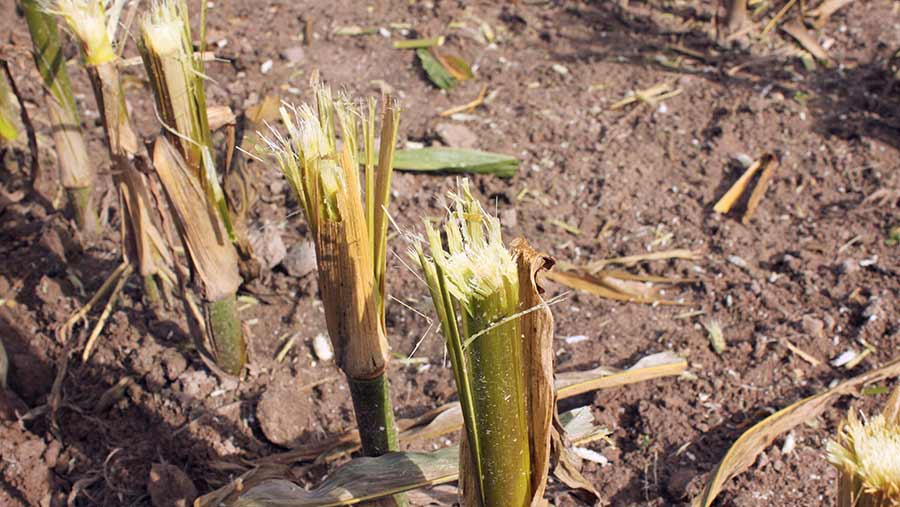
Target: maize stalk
x=498, y=334
x=75, y=169
x=350, y=235
x=142, y=242
x=184, y=162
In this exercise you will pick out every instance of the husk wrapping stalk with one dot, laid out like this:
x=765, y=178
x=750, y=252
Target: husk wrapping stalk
x=350, y=237
x=75, y=170
x=499, y=334
x=184, y=162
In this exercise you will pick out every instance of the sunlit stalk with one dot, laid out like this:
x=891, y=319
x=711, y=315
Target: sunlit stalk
x=350, y=236
x=75, y=169
x=176, y=77
x=474, y=285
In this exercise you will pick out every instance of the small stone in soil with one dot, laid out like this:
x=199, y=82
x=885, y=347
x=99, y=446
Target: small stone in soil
x=322, y=348
x=848, y=266
x=174, y=363
x=844, y=358
x=813, y=326
x=300, y=259
x=268, y=247
x=509, y=218
x=559, y=69
x=196, y=384
x=456, y=136
x=285, y=413
x=293, y=54
x=738, y=261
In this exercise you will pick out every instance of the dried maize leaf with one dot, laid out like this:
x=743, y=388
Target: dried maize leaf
x=747, y=447
x=824, y=10
x=601, y=287
x=456, y=66
x=362, y=479
x=221, y=116
x=662, y=364
x=537, y=339
x=795, y=29
x=212, y=255
x=631, y=260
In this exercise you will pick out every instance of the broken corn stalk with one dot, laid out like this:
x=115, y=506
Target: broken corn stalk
x=498, y=334
x=213, y=258
x=142, y=243
x=867, y=456
x=350, y=235
x=184, y=162
x=75, y=170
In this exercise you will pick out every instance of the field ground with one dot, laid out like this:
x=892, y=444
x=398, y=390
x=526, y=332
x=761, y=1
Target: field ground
x=812, y=266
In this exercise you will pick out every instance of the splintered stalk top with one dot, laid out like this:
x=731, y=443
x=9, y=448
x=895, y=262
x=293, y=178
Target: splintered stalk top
x=867, y=455
x=475, y=288
x=87, y=19
x=350, y=241
x=176, y=75
x=350, y=233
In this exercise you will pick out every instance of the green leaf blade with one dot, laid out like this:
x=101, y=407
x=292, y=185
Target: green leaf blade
x=456, y=160
x=435, y=71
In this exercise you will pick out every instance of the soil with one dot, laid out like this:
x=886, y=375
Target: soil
x=812, y=266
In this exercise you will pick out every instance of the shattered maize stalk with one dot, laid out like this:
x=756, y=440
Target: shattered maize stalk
x=75, y=170
x=484, y=296
x=213, y=258
x=867, y=456
x=350, y=235
x=142, y=242
x=184, y=162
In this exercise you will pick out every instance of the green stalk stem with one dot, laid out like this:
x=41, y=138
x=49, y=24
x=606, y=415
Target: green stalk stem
x=82, y=202
x=498, y=383
x=76, y=172
x=151, y=290
x=375, y=420
x=224, y=326
x=374, y=414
